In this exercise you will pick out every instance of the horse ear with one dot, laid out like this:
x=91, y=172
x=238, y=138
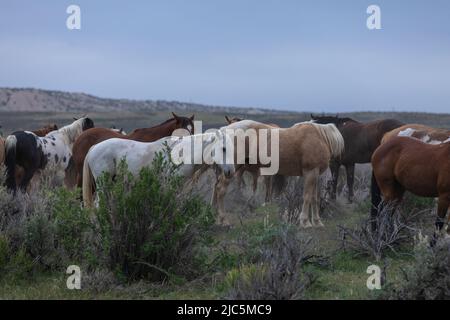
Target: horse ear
x=175, y=116
x=75, y=119
x=312, y=117
x=228, y=119
x=192, y=117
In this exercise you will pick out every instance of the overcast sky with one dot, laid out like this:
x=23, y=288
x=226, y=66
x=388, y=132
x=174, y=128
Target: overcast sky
x=294, y=55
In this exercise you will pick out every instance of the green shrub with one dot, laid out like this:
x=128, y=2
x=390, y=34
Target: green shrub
x=72, y=226
x=279, y=275
x=428, y=277
x=148, y=227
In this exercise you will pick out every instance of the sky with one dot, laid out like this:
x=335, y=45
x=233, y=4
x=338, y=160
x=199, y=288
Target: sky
x=295, y=55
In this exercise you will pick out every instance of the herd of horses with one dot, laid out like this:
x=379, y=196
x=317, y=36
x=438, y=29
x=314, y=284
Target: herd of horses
x=404, y=157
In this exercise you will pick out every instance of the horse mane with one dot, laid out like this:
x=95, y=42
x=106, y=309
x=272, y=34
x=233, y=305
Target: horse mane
x=70, y=131
x=332, y=137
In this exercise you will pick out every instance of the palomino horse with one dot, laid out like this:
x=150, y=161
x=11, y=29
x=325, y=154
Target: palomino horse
x=361, y=140
x=34, y=153
x=408, y=164
x=105, y=157
x=97, y=135
x=305, y=149
x=425, y=134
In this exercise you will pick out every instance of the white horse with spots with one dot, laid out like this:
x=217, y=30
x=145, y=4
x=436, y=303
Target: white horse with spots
x=105, y=156
x=35, y=153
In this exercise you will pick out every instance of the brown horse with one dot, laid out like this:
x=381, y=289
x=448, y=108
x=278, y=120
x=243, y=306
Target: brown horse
x=45, y=130
x=96, y=135
x=361, y=140
x=408, y=164
x=426, y=134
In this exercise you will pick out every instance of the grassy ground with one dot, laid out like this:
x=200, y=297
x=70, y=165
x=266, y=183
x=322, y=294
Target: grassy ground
x=342, y=276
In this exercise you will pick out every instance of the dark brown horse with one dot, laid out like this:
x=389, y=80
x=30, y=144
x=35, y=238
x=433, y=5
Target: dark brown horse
x=361, y=140
x=408, y=164
x=96, y=135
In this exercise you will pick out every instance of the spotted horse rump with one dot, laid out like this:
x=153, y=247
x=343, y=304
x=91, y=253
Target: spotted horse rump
x=33, y=153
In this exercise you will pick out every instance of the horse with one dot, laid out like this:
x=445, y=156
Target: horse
x=253, y=170
x=424, y=133
x=45, y=130
x=305, y=149
x=409, y=164
x=96, y=135
x=105, y=157
x=34, y=153
x=361, y=140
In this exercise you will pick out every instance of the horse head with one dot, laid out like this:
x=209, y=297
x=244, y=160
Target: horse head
x=218, y=144
x=232, y=120
x=186, y=123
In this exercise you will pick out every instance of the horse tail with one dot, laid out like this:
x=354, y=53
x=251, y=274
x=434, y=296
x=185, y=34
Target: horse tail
x=333, y=138
x=278, y=184
x=88, y=180
x=10, y=162
x=375, y=194
x=2, y=150
x=70, y=179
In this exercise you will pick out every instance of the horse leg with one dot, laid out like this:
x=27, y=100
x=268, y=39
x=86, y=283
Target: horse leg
x=334, y=168
x=350, y=170
x=220, y=190
x=315, y=202
x=268, y=180
x=443, y=206
x=27, y=176
x=308, y=191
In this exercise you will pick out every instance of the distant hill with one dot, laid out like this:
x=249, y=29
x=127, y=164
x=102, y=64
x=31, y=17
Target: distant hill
x=29, y=109
x=37, y=100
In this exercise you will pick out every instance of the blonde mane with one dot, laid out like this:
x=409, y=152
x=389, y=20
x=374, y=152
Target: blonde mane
x=332, y=137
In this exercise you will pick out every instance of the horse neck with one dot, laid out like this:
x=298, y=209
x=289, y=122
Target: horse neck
x=157, y=132
x=68, y=133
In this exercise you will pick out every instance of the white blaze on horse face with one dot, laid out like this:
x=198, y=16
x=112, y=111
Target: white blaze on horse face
x=274, y=157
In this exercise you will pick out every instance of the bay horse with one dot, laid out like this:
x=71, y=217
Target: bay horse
x=106, y=156
x=408, y=164
x=361, y=140
x=34, y=153
x=96, y=135
x=305, y=149
x=424, y=133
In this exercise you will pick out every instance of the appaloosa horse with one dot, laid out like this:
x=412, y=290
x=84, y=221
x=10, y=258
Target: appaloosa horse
x=408, y=164
x=361, y=140
x=34, y=153
x=96, y=135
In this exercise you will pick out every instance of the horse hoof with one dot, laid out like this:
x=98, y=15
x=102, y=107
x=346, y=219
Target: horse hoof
x=305, y=224
x=318, y=223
